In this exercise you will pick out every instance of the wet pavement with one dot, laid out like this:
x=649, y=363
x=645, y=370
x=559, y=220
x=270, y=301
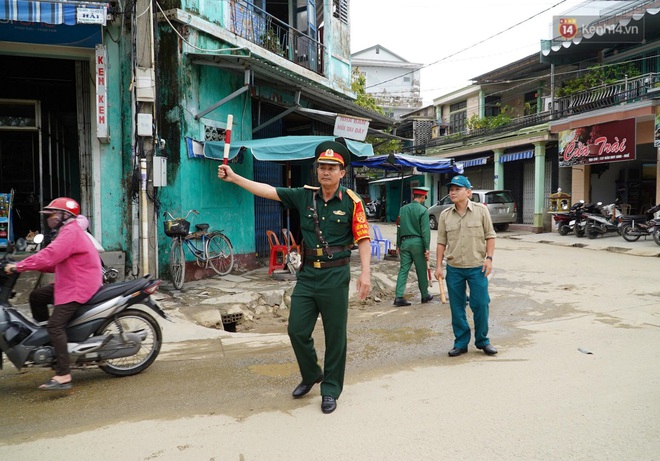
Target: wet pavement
x=260, y=302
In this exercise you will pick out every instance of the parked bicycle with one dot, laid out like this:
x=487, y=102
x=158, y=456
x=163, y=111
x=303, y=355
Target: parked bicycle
x=211, y=249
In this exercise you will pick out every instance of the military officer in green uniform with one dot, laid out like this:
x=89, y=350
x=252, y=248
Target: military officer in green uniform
x=413, y=239
x=332, y=219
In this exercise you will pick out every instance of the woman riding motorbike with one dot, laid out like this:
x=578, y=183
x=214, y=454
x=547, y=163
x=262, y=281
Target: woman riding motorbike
x=77, y=267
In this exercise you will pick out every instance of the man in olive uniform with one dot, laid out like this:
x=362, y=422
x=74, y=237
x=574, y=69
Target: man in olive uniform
x=413, y=240
x=467, y=239
x=332, y=219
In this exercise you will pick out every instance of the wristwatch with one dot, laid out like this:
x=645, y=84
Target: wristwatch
x=489, y=257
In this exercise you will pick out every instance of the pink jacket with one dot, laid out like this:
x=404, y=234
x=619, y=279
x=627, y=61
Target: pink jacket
x=75, y=262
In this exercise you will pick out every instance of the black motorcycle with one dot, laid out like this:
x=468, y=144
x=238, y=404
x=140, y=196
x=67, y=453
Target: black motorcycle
x=632, y=227
x=566, y=222
x=582, y=217
x=108, y=331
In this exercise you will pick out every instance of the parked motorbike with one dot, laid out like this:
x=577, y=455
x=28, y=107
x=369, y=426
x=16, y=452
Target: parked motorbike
x=565, y=222
x=656, y=232
x=608, y=221
x=107, y=331
x=582, y=219
x=372, y=209
x=632, y=227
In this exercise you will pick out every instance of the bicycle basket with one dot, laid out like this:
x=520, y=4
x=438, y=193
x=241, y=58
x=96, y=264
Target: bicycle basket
x=176, y=227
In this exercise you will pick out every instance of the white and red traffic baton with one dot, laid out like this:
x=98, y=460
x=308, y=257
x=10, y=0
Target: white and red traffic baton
x=230, y=121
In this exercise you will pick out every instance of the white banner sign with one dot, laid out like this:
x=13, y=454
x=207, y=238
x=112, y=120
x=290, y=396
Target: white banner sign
x=101, y=95
x=90, y=15
x=351, y=127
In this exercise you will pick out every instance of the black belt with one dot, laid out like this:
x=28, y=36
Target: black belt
x=329, y=251
x=324, y=264
x=410, y=237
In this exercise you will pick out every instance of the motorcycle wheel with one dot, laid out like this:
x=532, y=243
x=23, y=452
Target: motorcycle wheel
x=564, y=230
x=133, y=321
x=656, y=236
x=433, y=223
x=630, y=234
x=579, y=232
x=592, y=233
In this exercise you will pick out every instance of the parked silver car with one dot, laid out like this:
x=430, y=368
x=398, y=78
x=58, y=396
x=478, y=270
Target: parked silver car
x=503, y=210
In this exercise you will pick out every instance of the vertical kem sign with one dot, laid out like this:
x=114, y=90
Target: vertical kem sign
x=101, y=95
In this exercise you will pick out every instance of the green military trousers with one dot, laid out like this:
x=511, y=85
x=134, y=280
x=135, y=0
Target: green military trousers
x=412, y=251
x=321, y=291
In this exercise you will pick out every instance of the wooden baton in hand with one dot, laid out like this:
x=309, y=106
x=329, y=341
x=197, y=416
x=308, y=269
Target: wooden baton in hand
x=230, y=122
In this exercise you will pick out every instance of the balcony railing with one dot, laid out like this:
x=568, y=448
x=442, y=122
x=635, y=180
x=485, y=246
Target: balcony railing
x=254, y=24
x=621, y=92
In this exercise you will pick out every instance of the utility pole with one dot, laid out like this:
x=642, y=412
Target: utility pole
x=145, y=97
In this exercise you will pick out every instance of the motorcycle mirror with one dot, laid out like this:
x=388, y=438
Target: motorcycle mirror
x=38, y=238
x=21, y=244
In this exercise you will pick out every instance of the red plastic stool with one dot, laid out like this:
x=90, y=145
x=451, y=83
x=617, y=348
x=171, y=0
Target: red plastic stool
x=277, y=252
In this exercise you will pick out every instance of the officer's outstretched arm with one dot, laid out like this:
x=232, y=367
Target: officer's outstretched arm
x=259, y=189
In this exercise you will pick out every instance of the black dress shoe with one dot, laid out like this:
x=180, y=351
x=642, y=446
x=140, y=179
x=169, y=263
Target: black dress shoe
x=303, y=389
x=455, y=352
x=329, y=404
x=488, y=349
x=401, y=302
x=427, y=299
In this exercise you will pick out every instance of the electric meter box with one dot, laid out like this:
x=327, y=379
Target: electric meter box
x=160, y=171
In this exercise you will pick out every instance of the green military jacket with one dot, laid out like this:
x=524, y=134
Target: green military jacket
x=342, y=220
x=414, y=221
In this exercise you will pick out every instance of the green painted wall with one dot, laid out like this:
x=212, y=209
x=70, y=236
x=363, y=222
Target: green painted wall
x=115, y=212
x=193, y=182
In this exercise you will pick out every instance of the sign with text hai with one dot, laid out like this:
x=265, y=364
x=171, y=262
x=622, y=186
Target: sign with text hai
x=351, y=127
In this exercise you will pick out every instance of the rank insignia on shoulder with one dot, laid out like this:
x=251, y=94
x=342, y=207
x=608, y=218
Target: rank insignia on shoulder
x=339, y=213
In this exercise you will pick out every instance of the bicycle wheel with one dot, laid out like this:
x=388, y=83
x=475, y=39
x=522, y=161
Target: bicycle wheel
x=177, y=263
x=220, y=254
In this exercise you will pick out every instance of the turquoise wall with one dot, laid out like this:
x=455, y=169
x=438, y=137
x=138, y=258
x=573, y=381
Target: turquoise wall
x=193, y=182
x=115, y=212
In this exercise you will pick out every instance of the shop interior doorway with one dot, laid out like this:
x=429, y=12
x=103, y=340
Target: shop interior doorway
x=39, y=153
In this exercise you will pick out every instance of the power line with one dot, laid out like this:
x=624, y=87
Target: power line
x=471, y=46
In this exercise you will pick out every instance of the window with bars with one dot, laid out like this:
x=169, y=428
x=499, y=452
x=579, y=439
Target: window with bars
x=340, y=10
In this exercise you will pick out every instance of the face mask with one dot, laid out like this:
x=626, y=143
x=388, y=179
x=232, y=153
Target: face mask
x=53, y=221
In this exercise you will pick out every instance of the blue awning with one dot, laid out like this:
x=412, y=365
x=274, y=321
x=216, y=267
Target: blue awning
x=517, y=156
x=284, y=148
x=51, y=12
x=396, y=162
x=473, y=162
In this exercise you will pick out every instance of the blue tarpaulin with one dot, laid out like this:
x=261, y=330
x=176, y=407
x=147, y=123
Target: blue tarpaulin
x=396, y=162
x=284, y=148
x=40, y=11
